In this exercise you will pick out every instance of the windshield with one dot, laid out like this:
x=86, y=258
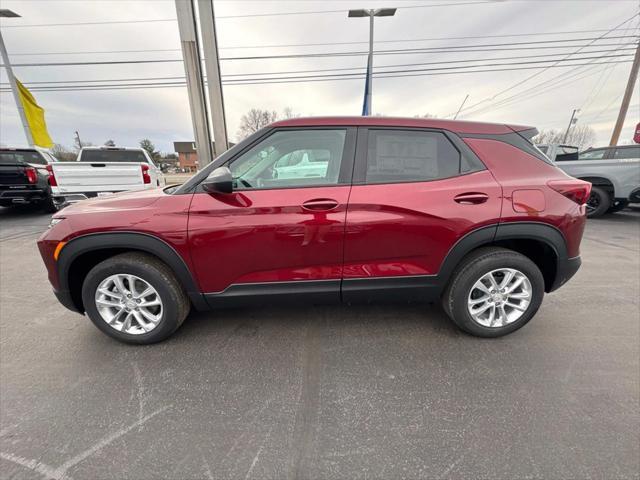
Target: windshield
x=27, y=156
x=103, y=156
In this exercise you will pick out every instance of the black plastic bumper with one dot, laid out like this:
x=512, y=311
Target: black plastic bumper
x=64, y=297
x=567, y=268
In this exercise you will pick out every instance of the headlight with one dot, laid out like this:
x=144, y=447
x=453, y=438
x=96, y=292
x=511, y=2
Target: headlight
x=55, y=221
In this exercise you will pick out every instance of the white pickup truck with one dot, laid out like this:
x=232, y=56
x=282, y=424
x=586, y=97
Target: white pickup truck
x=101, y=171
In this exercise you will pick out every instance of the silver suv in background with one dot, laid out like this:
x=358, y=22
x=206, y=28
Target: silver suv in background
x=614, y=173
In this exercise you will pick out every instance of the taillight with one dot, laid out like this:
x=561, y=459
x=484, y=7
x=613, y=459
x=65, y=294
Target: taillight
x=32, y=175
x=145, y=174
x=52, y=177
x=574, y=189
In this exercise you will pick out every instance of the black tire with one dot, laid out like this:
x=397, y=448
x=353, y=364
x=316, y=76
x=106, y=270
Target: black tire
x=49, y=206
x=618, y=205
x=176, y=304
x=470, y=270
x=599, y=202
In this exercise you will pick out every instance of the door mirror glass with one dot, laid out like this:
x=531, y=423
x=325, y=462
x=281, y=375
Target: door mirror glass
x=219, y=181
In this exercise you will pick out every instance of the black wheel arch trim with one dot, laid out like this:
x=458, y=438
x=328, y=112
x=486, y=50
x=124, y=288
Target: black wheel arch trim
x=542, y=232
x=134, y=241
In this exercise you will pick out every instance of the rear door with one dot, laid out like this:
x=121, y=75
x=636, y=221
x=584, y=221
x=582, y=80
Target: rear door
x=415, y=194
x=281, y=230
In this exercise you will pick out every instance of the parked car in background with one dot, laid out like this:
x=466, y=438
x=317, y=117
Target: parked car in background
x=24, y=178
x=468, y=214
x=614, y=173
x=101, y=171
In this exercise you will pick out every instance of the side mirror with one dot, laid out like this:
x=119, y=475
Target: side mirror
x=219, y=181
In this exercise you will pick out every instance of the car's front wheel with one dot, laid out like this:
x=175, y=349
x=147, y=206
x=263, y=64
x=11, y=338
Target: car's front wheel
x=134, y=298
x=494, y=292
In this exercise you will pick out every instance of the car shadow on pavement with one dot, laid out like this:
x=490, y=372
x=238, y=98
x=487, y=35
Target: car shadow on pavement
x=429, y=319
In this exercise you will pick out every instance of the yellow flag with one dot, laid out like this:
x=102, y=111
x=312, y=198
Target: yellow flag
x=35, y=117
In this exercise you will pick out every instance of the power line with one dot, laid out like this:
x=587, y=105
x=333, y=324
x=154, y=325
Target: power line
x=298, y=79
x=360, y=68
x=248, y=15
x=449, y=49
x=521, y=82
x=394, y=65
x=99, y=52
x=536, y=89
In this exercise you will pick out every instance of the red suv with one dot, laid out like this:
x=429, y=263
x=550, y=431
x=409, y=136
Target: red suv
x=331, y=209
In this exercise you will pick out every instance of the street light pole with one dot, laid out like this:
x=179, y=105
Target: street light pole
x=195, y=81
x=371, y=13
x=12, y=80
x=214, y=81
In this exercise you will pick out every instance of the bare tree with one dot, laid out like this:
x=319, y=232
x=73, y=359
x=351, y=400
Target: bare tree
x=109, y=143
x=582, y=137
x=256, y=118
x=62, y=153
x=289, y=113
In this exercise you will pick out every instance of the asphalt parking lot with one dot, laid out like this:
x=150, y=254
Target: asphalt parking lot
x=326, y=391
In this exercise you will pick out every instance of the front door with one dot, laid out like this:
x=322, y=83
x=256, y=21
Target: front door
x=281, y=231
x=415, y=194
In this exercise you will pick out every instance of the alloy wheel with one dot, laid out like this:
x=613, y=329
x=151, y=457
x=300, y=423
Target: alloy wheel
x=128, y=304
x=499, y=297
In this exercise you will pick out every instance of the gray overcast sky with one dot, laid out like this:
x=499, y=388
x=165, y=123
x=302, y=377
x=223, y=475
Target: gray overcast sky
x=162, y=115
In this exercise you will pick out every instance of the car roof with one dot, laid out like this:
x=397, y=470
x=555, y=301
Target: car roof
x=457, y=126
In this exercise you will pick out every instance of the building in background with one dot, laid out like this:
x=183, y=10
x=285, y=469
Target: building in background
x=187, y=155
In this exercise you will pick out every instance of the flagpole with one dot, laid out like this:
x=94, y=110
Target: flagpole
x=14, y=90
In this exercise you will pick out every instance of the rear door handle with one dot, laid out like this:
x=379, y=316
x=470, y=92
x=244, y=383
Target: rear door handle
x=320, y=204
x=471, y=198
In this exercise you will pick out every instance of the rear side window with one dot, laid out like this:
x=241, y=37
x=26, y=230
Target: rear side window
x=627, y=152
x=395, y=156
x=103, y=156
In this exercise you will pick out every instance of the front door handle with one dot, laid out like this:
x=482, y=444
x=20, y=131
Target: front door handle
x=471, y=198
x=320, y=204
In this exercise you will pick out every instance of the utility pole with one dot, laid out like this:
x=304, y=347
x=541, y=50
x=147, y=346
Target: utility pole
x=195, y=80
x=371, y=13
x=78, y=140
x=12, y=81
x=626, y=99
x=571, y=122
x=214, y=81
x=461, y=105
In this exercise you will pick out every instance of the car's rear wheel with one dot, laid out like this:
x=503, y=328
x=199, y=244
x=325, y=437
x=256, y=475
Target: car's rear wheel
x=493, y=292
x=598, y=203
x=134, y=298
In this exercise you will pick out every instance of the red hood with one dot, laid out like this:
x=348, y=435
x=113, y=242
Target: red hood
x=118, y=201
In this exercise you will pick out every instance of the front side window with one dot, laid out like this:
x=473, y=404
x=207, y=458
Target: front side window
x=410, y=156
x=627, y=152
x=291, y=158
x=592, y=155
